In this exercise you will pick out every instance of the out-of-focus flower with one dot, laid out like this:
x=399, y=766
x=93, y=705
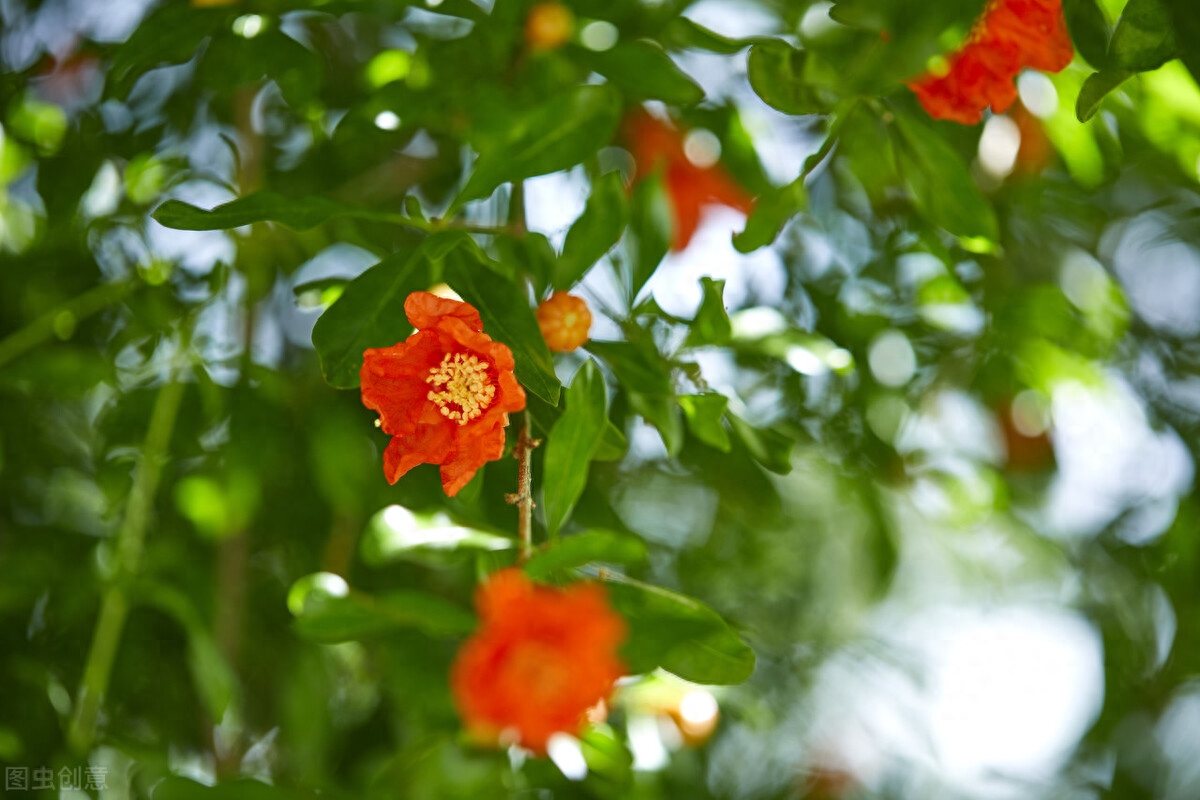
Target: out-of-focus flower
x=444, y=393
x=565, y=322
x=690, y=186
x=542, y=657
x=549, y=25
x=1012, y=35
x=1037, y=151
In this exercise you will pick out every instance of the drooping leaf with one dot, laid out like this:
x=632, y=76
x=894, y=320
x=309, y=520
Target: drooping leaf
x=326, y=610
x=776, y=73
x=711, y=325
x=596, y=231
x=1095, y=89
x=683, y=33
x=939, y=180
x=1089, y=30
x=638, y=365
x=398, y=534
x=507, y=316
x=771, y=449
x=584, y=548
x=300, y=213
x=652, y=225
x=570, y=445
x=561, y=133
x=369, y=313
x=643, y=70
x=1144, y=38
x=771, y=212
x=679, y=634
x=704, y=413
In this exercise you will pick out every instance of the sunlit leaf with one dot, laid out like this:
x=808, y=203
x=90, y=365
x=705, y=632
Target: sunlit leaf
x=776, y=72
x=327, y=610
x=583, y=548
x=301, y=212
x=711, y=325
x=705, y=414
x=771, y=212
x=1144, y=38
x=644, y=70
x=398, y=534
x=570, y=444
x=596, y=231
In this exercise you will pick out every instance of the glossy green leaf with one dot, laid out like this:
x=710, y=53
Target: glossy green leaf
x=583, y=548
x=638, y=365
x=300, y=213
x=711, y=325
x=596, y=231
x=683, y=33
x=1095, y=89
x=662, y=411
x=679, y=634
x=397, y=534
x=570, y=445
x=776, y=72
x=507, y=316
x=652, y=224
x=643, y=70
x=561, y=133
x=771, y=212
x=1089, y=30
x=705, y=413
x=1144, y=38
x=939, y=180
x=326, y=610
x=369, y=313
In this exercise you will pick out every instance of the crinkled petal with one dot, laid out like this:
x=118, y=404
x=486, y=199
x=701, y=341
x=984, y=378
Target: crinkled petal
x=426, y=444
x=424, y=310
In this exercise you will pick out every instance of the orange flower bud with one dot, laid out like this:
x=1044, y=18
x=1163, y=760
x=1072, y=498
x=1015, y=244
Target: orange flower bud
x=565, y=321
x=541, y=659
x=549, y=25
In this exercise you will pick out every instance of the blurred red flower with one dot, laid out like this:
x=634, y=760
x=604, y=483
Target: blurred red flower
x=541, y=658
x=690, y=186
x=1012, y=35
x=444, y=393
x=565, y=321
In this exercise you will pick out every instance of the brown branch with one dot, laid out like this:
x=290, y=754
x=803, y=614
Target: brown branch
x=523, y=499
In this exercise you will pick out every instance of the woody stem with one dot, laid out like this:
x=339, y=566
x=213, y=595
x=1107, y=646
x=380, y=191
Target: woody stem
x=524, y=455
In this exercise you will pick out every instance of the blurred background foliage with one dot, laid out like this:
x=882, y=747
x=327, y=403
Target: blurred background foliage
x=921, y=431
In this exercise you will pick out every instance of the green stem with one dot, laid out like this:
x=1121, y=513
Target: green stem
x=71, y=312
x=115, y=606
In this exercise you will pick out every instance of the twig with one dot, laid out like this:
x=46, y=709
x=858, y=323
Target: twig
x=523, y=499
x=72, y=311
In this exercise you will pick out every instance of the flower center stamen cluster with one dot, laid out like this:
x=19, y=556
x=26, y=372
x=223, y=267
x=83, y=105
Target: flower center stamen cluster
x=461, y=380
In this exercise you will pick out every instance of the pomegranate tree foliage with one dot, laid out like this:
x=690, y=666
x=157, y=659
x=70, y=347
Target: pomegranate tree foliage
x=207, y=579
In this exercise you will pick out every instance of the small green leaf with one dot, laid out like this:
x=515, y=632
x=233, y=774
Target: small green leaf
x=682, y=33
x=596, y=231
x=507, y=317
x=613, y=445
x=771, y=212
x=1089, y=30
x=643, y=70
x=652, y=224
x=570, y=445
x=1144, y=38
x=771, y=449
x=326, y=610
x=398, y=534
x=584, y=548
x=940, y=182
x=369, y=313
x=1095, y=89
x=679, y=634
x=561, y=133
x=638, y=365
x=711, y=325
x=776, y=72
x=661, y=411
x=300, y=213
x=704, y=413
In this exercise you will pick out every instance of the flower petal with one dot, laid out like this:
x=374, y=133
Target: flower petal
x=426, y=444
x=424, y=310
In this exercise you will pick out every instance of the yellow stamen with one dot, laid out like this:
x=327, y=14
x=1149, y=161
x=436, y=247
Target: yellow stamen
x=461, y=380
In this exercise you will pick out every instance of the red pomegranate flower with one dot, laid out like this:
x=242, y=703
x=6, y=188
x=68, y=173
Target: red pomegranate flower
x=1012, y=35
x=565, y=321
x=541, y=658
x=689, y=186
x=444, y=393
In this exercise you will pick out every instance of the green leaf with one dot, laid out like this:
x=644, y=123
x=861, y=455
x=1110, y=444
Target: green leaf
x=369, y=313
x=168, y=35
x=1089, y=30
x=644, y=71
x=326, y=610
x=661, y=411
x=940, y=182
x=562, y=132
x=776, y=72
x=711, y=325
x=682, y=33
x=771, y=212
x=507, y=317
x=175, y=787
x=300, y=213
x=1144, y=38
x=398, y=534
x=679, y=634
x=771, y=449
x=1187, y=34
x=1095, y=89
x=638, y=365
x=652, y=223
x=596, y=231
x=570, y=445
x=584, y=548
x=704, y=413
